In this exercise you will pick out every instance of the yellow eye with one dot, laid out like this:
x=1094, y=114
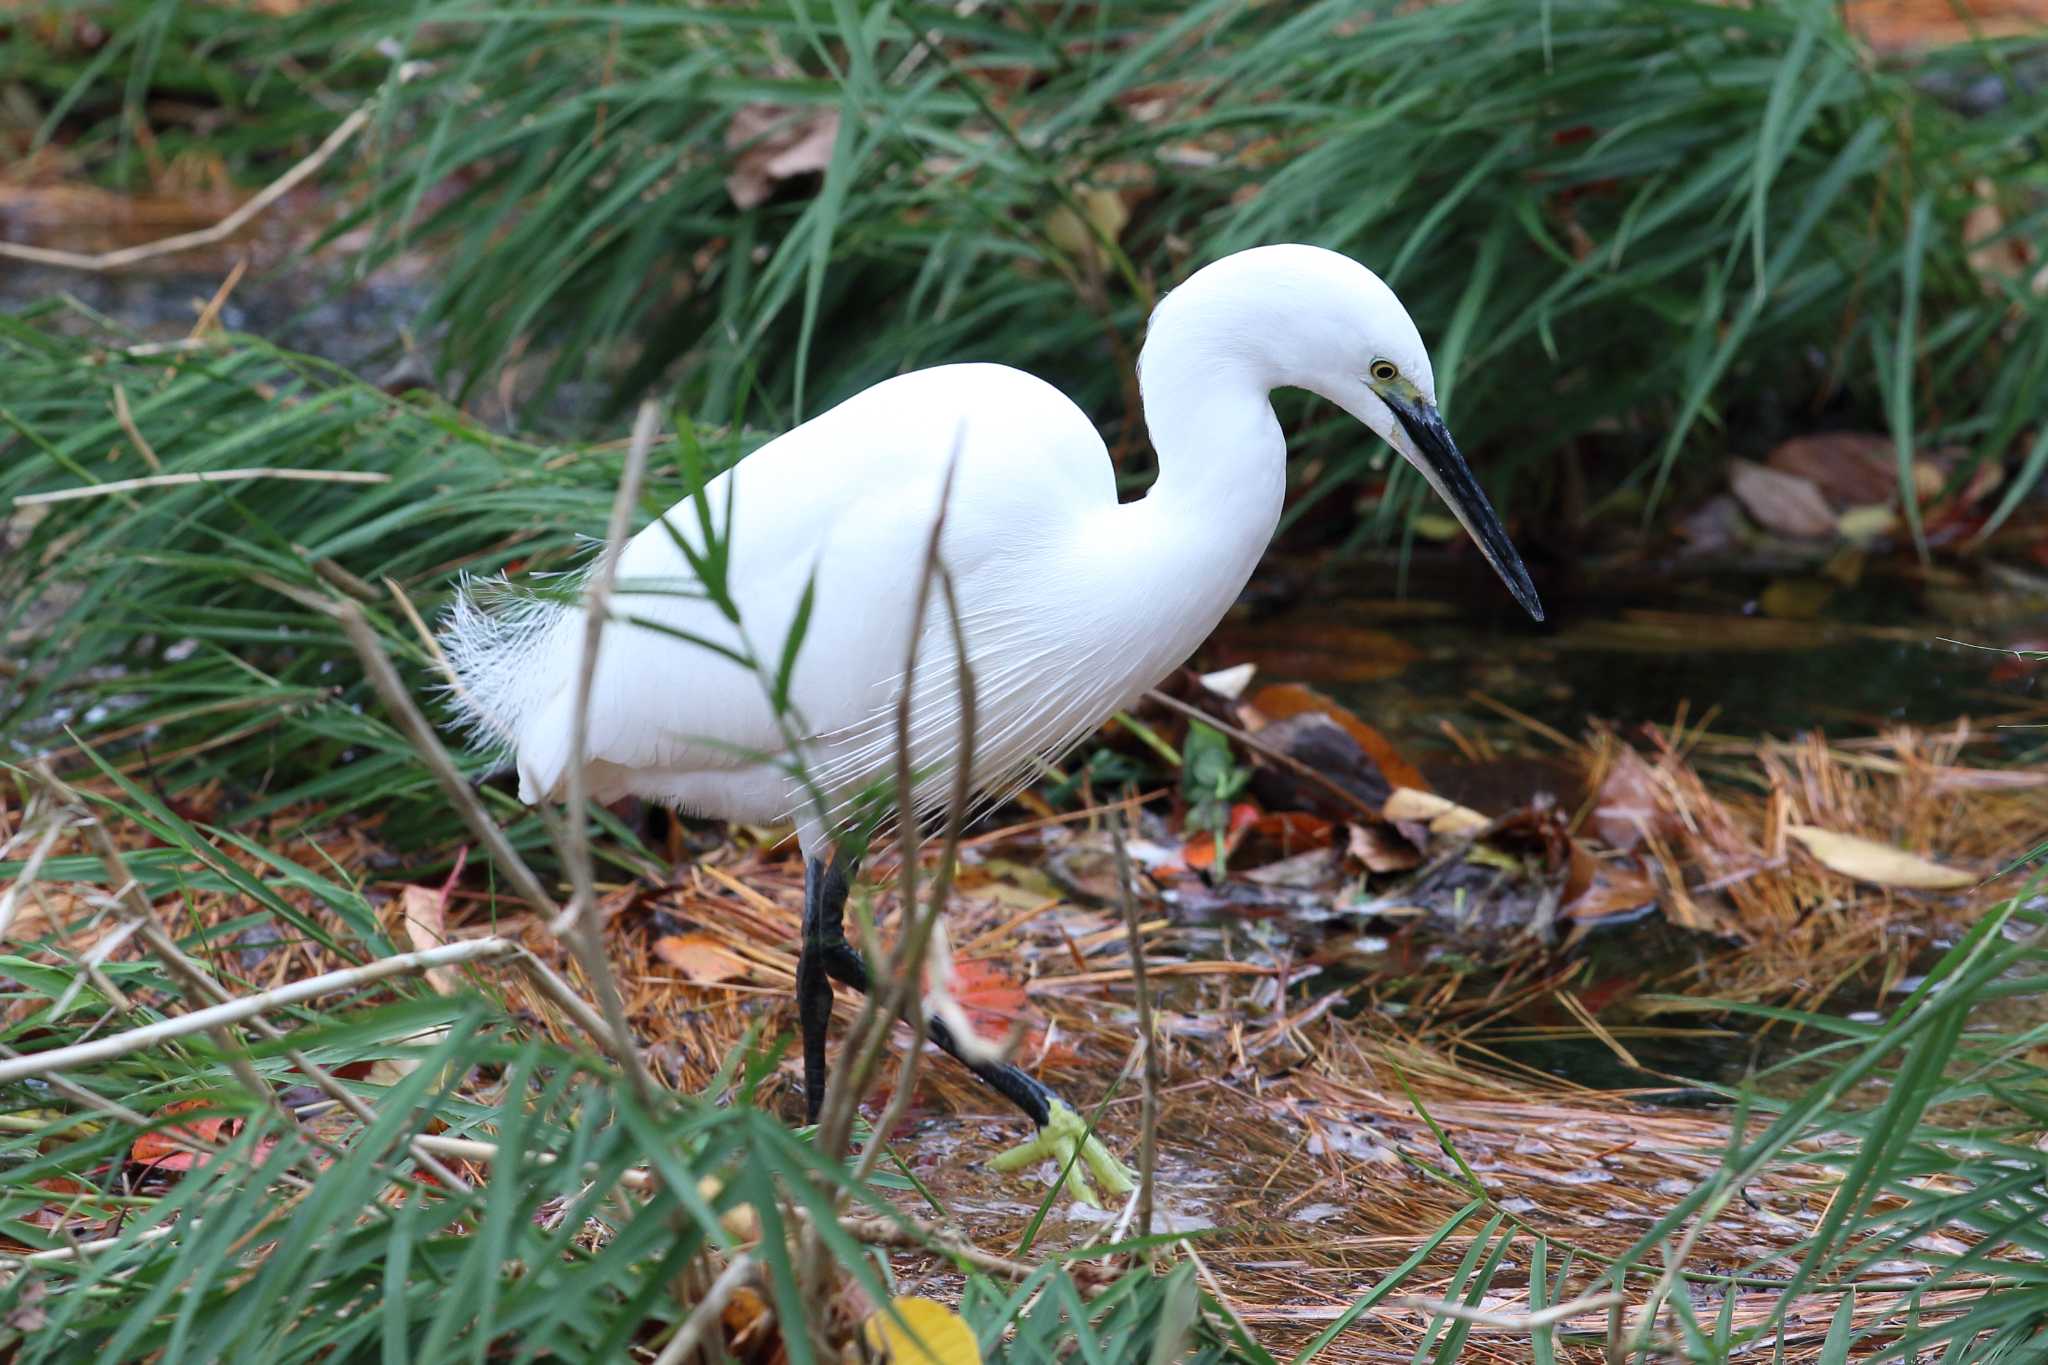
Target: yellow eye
x=1383, y=371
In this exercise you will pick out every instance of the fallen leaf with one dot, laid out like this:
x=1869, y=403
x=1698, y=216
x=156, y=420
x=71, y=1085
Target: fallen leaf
x=1879, y=864
x=1381, y=850
x=1200, y=851
x=993, y=999
x=1105, y=210
x=1867, y=522
x=921, y=1332
x=746, y=1317
x=1849, y=466
x=1845, y=566
x=776, y=142
x=1316, y=649
x=1442, y=816
x=1999, y=257
x=1796, y=599
x=1283, y=701
x=1631, y=803
x=27, y=1315
x=1716, y=526
x=1615, y=889
x=1230, y=683
x=425, y=914
x=162, y=1149
x=1293, y=831
x=702, y=959
x=1785, y=503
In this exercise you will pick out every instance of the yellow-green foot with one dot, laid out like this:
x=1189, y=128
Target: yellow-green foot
x=1080, y=1154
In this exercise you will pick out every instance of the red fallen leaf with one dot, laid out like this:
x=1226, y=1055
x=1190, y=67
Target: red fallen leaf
x=1615, y=889
x=1200, y=851
x=1279, y=701
x=992, y=998
x=995, y=1002
x=2016, y=666
x=1293, y=831
x=160, y=1149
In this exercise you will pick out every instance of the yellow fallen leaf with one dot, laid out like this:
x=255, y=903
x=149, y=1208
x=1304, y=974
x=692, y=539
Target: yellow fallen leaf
x=1442, y=816
x=1879, y=864
x=928, y=1334
x=1867, y=522
x=1105, y=210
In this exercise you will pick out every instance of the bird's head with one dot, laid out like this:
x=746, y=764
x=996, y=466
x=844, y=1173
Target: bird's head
x=1333, y=327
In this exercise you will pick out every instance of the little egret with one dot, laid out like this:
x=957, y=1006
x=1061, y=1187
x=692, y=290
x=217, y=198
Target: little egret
x=1070, y=603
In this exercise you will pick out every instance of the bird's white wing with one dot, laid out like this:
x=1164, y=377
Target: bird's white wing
x=847, y=503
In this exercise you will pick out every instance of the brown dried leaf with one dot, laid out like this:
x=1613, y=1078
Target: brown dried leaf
x=28, y=1314
x=1851, y=467
x=1866, y=860
x=1614, y=889
x=425, y=913
x=1785, y=503
x=1631, y=803
x=1382, y=850
x=776, y=142
x=702, y=959
x=1283, y=701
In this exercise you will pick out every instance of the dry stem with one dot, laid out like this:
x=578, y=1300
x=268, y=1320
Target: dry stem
x=226, y=227
x=1148, y=1039
x=100, y=490
x=580, y=924
x=45, y=1064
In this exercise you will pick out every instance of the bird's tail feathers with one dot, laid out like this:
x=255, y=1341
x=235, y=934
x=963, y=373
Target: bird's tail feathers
x=507, y=649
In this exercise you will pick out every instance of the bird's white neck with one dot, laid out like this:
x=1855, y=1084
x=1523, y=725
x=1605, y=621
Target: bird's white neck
x=1222, y=457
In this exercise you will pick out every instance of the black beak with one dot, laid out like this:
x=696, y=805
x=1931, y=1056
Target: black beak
x=1452, y=478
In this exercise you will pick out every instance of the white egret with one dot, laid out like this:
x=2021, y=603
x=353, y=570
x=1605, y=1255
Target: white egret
x=1072, y=604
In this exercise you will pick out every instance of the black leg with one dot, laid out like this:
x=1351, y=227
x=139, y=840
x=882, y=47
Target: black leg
x=814, y=988
x=827, y=953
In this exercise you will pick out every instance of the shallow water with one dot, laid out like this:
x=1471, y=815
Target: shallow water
x=1630, y=644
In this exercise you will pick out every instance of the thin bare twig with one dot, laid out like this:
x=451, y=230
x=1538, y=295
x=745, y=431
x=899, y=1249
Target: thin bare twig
x=221, y=231
x=1485, y=1320
x=127, y=421
x=45, y=1064
x=893, y=994
x=391, y=688
x=889, y=1000
x=29, y=872
x=708, y=1310
x=1262, y=748
x=579, y=924
x=597, y=594
x=1148, y=1038
x=79, y=1249
x=201, y=987
x=100, y=490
